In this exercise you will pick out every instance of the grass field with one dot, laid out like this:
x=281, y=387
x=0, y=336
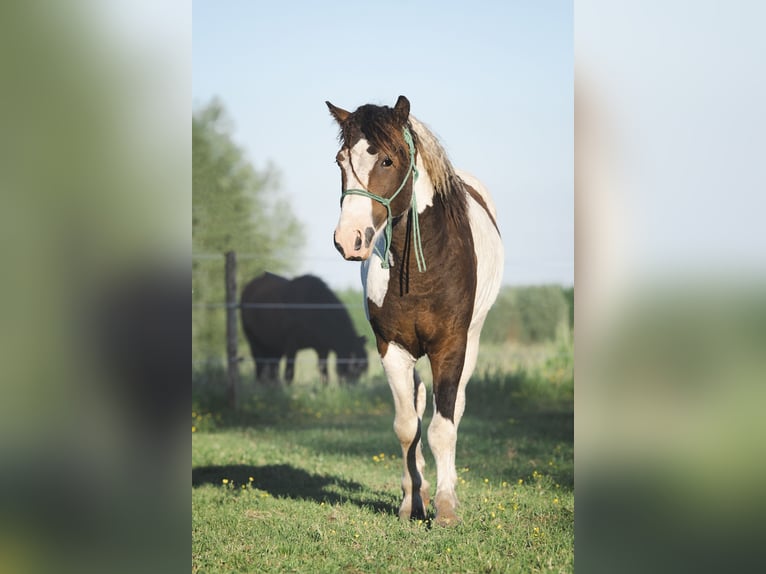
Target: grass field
x=306, y=479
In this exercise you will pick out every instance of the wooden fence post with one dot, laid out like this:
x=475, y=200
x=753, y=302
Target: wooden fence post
x=232, y=359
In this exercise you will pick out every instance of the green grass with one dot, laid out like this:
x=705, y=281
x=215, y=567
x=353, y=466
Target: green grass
x=306, y=479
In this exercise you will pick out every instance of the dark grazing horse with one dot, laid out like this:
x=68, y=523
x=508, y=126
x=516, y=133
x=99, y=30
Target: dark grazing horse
x=402, y=201
x=282, y=316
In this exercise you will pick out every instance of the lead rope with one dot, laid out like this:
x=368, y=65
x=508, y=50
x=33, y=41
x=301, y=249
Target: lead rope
x=386, y=202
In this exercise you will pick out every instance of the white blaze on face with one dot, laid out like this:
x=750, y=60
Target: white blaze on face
x=356, y=210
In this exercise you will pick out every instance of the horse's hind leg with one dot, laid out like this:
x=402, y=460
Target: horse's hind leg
x=290, y=367
x=266, y=362
x=409, y=402
x=451, y=370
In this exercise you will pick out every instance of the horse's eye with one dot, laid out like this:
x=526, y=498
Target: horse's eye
x=387, y=162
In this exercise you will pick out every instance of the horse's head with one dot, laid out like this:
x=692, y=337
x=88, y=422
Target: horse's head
x=353, y=363
x=376, y=160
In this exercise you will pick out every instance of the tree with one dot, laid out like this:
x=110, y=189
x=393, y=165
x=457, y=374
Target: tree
x=542, y=309
x=234, y=207
x=531, y=314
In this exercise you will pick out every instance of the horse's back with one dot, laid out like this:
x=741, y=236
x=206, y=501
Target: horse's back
x=488, y=247
x=264, y=325
x=480, y=189
x=266, y=288
x=311, y=289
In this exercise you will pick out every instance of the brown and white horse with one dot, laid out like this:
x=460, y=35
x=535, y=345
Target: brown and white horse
x=402, y=200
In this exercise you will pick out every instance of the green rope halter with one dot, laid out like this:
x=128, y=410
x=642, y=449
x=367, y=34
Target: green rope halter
x=386, y=202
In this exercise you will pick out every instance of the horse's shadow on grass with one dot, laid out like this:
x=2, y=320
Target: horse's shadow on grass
x=285, y=481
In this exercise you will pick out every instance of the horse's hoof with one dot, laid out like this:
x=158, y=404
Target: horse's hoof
x=415, y=512
x=447, y=519
x=418, y=513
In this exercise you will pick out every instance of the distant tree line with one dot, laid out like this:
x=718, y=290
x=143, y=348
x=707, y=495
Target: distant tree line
x=234, y=207
x=524, y=315
x=532, y=314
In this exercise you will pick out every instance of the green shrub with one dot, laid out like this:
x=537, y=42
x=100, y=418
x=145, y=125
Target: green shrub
x=528, y=314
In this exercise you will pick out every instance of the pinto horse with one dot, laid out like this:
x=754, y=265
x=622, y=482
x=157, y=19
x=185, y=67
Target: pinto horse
x=402, y=200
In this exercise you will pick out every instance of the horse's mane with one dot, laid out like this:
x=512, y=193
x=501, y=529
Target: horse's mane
x=435, y=159
x=381, y=130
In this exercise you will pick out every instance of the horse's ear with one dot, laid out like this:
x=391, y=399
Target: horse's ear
x=339, y=114
x=402, y=109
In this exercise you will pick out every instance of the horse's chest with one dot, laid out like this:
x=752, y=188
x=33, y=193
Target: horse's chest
x=419, y=311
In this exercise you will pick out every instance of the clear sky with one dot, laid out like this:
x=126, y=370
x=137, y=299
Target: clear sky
x=493, y=79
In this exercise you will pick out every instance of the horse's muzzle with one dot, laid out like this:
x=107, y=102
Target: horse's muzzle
x=354, y=245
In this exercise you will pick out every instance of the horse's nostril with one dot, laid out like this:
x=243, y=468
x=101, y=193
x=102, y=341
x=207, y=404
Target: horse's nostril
x=358, y=241
x=368, y=233
x=338, y=246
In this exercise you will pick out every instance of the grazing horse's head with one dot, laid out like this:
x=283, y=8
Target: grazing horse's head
x=376, y=160
x=353, y=360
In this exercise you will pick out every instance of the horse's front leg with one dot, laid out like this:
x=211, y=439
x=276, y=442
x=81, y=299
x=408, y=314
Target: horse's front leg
x=409, y=401
x=451, y=367
x=323, y=376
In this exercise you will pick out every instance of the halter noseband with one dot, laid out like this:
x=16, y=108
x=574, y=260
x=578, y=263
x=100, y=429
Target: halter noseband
x=386, y=202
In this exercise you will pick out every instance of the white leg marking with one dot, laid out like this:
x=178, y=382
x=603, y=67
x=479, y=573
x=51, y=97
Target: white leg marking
x=399, y=366
x=442, y=438
x=442, y=433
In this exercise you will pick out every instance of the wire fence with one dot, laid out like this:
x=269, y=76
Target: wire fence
x=228, y=358
x=221, y=361
x=514, y=262
x=310, y=306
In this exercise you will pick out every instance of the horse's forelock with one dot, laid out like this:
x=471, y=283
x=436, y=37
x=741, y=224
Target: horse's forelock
x=378, y=125
x=381, y=127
